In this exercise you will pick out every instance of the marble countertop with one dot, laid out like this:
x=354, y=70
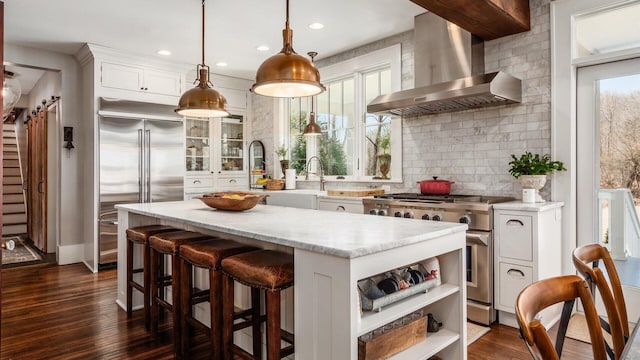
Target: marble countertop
x=519, y=205
x=335, y=233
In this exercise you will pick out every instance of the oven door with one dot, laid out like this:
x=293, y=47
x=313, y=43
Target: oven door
x=479, y=266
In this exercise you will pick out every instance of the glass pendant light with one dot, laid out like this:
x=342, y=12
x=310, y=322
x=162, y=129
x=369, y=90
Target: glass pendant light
x=11, y=92
x=202, y=100
x=312, y=128
x=287, y=74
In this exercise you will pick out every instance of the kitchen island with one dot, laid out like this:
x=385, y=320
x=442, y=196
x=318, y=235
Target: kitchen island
x=332, y=251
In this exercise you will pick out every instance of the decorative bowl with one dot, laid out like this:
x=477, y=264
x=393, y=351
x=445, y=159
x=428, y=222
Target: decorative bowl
x=231, y=200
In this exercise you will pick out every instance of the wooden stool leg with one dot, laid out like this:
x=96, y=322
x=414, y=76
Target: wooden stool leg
x=256, y=334
x=186, y=272
x=273, y=324
x=129, y=278
x=154, y=278
x=215, y=300
x=146, y=280
x=227, y=318
x=175, y=303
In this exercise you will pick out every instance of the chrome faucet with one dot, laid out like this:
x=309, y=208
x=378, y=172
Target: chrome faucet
x=321, y=171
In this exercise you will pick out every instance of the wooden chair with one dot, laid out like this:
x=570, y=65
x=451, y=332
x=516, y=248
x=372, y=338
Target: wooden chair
x=586, y=260
x=542, y=294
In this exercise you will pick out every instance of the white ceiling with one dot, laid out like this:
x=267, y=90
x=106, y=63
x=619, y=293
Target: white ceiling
x=233, y=28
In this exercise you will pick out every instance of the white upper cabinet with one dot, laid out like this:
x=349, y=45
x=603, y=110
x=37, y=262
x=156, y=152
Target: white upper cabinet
x=133, y=78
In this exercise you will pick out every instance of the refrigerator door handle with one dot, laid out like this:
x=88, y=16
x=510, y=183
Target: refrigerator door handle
x=140, y=187
x=147, y=169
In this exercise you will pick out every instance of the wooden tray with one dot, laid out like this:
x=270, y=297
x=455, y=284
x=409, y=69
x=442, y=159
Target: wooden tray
x=354, y=192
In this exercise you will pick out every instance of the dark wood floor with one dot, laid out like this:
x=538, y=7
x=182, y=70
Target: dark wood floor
x=66, y=312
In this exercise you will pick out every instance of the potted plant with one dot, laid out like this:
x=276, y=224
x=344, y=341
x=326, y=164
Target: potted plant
x=284, y=164
x=532, y=169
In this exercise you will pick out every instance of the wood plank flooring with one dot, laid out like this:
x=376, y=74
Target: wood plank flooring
x=66, y=312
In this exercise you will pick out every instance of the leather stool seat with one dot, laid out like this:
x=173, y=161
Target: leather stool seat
x=140, y=235
x=161, y=245
x=267, y=270
x=206, y=254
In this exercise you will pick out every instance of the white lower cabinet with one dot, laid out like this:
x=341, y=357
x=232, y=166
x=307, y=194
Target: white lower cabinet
x=347, y=205
x=527, y=249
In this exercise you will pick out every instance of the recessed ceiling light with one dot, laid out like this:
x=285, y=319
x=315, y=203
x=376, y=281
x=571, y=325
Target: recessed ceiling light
x=316, y=26
x=262, y=48
x=221, y=64
x=164, y=52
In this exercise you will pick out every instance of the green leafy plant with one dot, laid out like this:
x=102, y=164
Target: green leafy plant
x=281, y=152
x=530, y=164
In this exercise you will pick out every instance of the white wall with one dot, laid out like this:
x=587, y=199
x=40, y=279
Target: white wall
x=70, y=179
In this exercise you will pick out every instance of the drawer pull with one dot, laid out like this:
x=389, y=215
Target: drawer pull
x=516, y=271
x=514, y=221
x=196, y=181
x=340, y=208
x=232, y=181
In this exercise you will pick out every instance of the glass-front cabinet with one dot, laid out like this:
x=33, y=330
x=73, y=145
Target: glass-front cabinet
x=215, y=154
x=231, y=140
x=198, y=144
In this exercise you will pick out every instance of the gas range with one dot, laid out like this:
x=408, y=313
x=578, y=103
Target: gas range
x=473, y=210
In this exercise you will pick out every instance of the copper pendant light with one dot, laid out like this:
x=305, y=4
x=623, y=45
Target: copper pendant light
x=312, y=128
x=202, y=100
x=287, y=74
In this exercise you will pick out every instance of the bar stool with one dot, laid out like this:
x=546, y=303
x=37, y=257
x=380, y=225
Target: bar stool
x=140, y=235
x=207, y=254
x=267, y=270
x=161, y=245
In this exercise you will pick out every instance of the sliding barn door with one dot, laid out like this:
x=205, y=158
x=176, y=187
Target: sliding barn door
x=1, y=145
x=37, y=178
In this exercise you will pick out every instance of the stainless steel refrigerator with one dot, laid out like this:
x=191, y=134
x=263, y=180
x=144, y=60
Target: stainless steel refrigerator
x=141, y=161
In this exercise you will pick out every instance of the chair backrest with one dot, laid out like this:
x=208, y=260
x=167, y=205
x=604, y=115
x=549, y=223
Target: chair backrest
x=544, y=293
x=586, y=259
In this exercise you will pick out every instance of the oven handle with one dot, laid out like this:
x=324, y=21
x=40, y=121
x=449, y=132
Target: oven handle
x=478, y=238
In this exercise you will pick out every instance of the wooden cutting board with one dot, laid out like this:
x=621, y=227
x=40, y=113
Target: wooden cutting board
x=354, y=192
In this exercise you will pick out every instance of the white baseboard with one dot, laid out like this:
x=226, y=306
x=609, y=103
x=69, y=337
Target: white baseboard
x=70, y=254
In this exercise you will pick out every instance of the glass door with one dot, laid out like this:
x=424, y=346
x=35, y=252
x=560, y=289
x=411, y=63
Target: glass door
x=198, y=144
x=608, y=160
x=232, y=143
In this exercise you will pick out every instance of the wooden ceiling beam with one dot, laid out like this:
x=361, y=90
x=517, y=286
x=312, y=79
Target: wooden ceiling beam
x=488, y=19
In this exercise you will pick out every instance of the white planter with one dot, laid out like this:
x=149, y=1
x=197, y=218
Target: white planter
x=535, y=182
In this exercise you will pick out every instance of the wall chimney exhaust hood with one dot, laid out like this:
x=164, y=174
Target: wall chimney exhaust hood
x=449, y=74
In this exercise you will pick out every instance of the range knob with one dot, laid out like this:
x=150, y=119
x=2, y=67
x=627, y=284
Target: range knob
x=398, y=214
x=373, y=212
x=436, y=218
x=382, y=212
x=465, y=219
x=408, y=215
x=425, y=217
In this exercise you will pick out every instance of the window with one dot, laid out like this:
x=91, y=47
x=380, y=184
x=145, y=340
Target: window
x=355, y=145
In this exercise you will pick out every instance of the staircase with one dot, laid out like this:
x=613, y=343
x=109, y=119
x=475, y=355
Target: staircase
x=14, y=215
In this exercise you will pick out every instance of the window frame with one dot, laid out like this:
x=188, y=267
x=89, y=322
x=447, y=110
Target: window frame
x=357, y=68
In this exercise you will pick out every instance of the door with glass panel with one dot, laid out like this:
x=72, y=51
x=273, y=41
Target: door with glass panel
x=608, y=159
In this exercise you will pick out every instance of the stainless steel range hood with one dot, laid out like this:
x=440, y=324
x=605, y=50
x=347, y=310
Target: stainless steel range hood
x=449, y=66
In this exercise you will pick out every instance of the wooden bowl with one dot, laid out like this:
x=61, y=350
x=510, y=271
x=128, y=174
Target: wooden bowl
x=231, y=200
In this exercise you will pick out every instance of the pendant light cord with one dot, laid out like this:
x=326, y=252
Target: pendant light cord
x=286, y=23
x=203, y=32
